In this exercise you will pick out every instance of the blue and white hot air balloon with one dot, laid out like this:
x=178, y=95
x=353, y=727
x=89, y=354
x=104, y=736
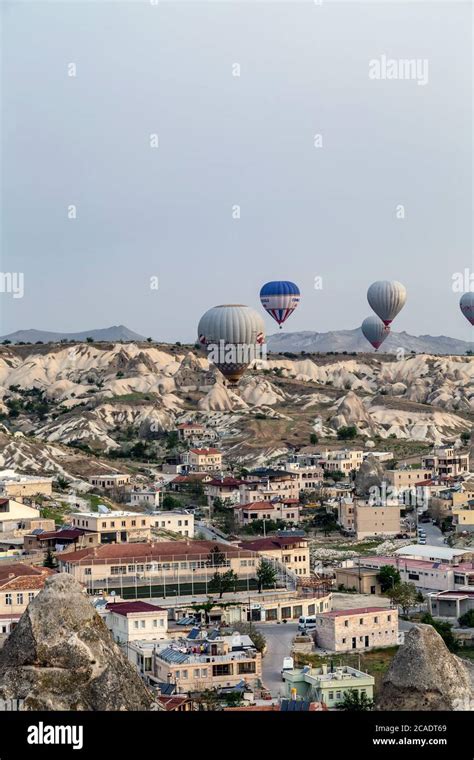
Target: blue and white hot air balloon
x=280, y=298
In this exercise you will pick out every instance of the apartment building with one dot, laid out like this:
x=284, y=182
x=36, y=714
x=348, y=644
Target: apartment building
x=216, y=661
x=376, y=520
x=308, y=478
x=114, y=527
x=361, y=579
x=288, y=511
x=150, y=498
x=345, y=512
x=136, y=621
x=356, y=629
x=15, y=486
x=181, y=522
x=342, y=460
x=269, y=484
x=162, y=562
x=447, y=461
x=291, y=552
x=189, y=430
x=110, y=481
x=463, y=517
x=406, y=478
x=15, y=516
x=226, y=489
x=327, y=685
x=19, y=584
x=203, y=460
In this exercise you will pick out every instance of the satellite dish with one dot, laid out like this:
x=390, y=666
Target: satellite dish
x=103, y=509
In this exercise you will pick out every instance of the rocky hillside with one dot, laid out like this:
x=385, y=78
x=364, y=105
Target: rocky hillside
x=101, y=398
x=354, y=340
x=424, y=675
x=61, y=656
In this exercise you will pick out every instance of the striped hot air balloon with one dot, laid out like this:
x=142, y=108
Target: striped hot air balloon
x=466, y=304
x=232, y=334
x=375, y=331
x=387, y=299
x=280, y=298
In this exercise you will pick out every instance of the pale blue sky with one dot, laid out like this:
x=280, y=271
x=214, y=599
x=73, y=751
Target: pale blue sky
x=167, y=69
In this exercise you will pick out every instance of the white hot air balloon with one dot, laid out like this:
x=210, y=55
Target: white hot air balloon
x=387, y=299
x=234, y=335
x=375, y=331
x=466, y=304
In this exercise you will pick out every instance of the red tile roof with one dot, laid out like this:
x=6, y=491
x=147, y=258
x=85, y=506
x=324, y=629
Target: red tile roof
x=132, y=608
x=277, y=542
x=205, y=451
x=112, y=553
x=228, y=482
x=19, y=576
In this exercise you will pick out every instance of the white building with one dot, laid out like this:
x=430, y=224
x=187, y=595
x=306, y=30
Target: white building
x=13, y=515
x=147, y=497
x=435, y=553
x=136, y=621
x=181, y=522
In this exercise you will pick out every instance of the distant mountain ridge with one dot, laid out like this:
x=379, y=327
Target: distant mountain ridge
x=353, y=340
x=109, y=334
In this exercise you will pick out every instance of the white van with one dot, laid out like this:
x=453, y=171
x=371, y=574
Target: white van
x=307, y=623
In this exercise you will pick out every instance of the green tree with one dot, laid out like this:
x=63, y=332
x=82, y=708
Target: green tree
x=388, y=577
x=221, y=583
x=313, y=439
x=248, y=629
x=467, y=620
x=404, y=595
x=347, y=432
x=465, y=436
x=61, y=483
x=444, y=629
x=170, y=502
x=50, y=560
x=352, y=701
x=266, y=575
x=172, y=439
x=216, y=557
x=336, y=475
x=89, y=339
x=149, y=340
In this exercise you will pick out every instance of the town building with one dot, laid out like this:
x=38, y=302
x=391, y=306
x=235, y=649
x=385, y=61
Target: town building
x=15, y=486
x=343, y=460
x=292, y=553
x=326, y=685
x=179, y=521
x=451, y=604
x=227, y=489
x=139, y=566
x=446, y=461
x=58, y=540
x=150, y=498
x=114, y=527
x=190, y=430
x=308, y=478
x=433, y=553
x=136, y=621
x=406, y=478
x=374, y=520
x=427, y=575
x=15, y=515
x=213, y=661
x=19, y=584
x=287, y=510
x=203, y=460
x=356, y=629
x=463, y=517
x=264, y=484
x=361, y=579
x=183, y=483
x=110, y=481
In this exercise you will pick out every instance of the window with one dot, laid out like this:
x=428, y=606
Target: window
x=196, y=673
x=142, y=623
x=203, y=672
x=246, y=667
x=135, y=623
x=376, y=620
x=155, y=623
x=222, y=670
x=131, y=568
x=31, y=596
x=361, y=621
x=123, y=523
x=112, y=524
x=389, y=618
x=8, y=599
x=88, y=571
x=331, y=695
x=338, y=695
x=134, y=522
x=19, y=598
x=346, y=623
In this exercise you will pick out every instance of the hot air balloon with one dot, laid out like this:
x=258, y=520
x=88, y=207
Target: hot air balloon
x=466, y=305
x=233, y=334
x=375, y=331
x=387, y=299
x=280, y=298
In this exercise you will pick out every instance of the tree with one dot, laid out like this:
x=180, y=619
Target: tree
x=465, y=436
x=352, y=701
x=172, y=439
x=445, y=630
x=223, y=582
x=313, y=439
x=61, y=483
x=266, y=575
x=89, y=339
x=216, y=558
x=170, y=502
x=50, y=560
x=467, y=620
x=404, y=595
x=336, y=475
x=388, y=577
x=347, y=432
x=248, y=629
x=149, y=340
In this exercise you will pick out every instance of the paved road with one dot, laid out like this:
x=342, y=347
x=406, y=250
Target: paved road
x=434, y=537
x=208, y=533
x=279, y=643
